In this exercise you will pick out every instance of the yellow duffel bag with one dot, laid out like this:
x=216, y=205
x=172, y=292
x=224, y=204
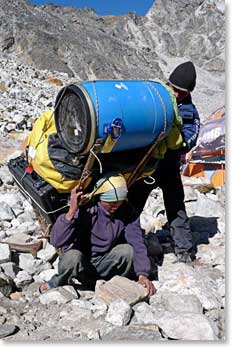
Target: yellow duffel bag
x=38, y=153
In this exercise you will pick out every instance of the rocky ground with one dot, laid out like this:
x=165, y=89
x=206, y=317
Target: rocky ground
x=190, y=300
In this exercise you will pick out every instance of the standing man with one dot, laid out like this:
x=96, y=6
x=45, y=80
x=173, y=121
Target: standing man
x=182, y=82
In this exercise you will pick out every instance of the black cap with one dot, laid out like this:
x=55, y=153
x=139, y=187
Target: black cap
x=184, y=77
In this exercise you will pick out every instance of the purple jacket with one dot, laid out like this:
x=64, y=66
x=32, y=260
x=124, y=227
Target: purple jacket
x=95, y=232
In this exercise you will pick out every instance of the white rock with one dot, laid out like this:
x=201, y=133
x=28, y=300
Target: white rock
x=183, y=279
x=119, y=313
x=19, y=238
x=45, y=275
x=5, y=175
x=189, y=194
x=18, y=118
x=10, y=269
x=76, y=318
x=143, y=314
x=183, y=303
x=83, y=304
x=99, y=307
x=28, y=263
x=23, y=278
x=26, y=227
x=5, y=254
x=12, y=199
x=2, y=235
x=185, y=326
x=59, y=295
x=27, y=217
x=47, y=253
x=205, y=207
x=6, y=213
x=10, y=126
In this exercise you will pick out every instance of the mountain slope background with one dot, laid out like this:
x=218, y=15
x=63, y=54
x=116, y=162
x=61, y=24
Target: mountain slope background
x=87, y=46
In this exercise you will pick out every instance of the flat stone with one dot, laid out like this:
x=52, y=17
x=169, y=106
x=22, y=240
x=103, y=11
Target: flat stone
x=183, y=303
x=6, y=213
x=120, y=288
x=76, y=317
x=168, y=301
x=185, y=326
x=19, y=238
x=183, y=279
x=119, y=313
x=60, y=295
x=132, y=333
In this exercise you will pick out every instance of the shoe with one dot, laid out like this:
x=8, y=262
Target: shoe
x=185, y=257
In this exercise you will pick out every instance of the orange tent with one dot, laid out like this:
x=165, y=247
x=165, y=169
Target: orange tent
x=207, y=159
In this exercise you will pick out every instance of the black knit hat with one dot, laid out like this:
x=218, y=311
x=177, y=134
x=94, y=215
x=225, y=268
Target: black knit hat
x=184, y=77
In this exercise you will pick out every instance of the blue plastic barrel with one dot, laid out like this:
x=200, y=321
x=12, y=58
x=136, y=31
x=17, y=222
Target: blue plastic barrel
x=133, y=111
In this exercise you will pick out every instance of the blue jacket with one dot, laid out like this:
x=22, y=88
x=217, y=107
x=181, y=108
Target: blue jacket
x=191, y=123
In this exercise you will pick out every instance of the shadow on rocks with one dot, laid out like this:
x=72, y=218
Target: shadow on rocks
x=155, y=253
x=161, y=242
x=203, y=228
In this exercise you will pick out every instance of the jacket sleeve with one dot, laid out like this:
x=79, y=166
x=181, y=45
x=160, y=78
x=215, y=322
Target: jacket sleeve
x=134, y=236
x=63, y=231
x=191, y=126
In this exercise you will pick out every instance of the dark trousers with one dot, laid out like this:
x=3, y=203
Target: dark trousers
x=168, y=178
x=74, y=264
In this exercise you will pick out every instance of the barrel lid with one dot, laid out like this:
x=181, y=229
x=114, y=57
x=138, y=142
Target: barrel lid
x=75, y=119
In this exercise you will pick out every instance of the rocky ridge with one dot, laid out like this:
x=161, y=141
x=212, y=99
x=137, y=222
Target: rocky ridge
x=88, y=46
x=189, y=296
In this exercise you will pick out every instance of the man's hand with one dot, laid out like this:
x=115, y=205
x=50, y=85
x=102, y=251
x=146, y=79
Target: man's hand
x=75, y=198
x=147, y=284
